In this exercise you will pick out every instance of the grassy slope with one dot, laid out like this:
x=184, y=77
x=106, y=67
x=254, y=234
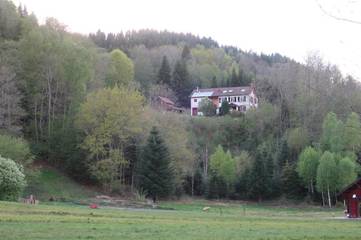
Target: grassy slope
x=47, y=181
x=226, y=221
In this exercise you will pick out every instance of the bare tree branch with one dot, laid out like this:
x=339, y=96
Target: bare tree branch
x=334, y=16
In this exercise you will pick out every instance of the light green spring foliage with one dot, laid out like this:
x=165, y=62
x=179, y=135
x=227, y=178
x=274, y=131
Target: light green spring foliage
x=223, y=165
x=207, y=107
x=346, y=172
x=327, y=173
x=243, y=162
x=352, y=133
x=307, y=165
x=16, y=149
x=297, y=139
x=173, y=128
x=12, y=179
x=332, y=129
x=121, y=69
x=109, y=118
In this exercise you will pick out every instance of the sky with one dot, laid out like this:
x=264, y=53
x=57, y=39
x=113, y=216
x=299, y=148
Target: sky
x=292, y=28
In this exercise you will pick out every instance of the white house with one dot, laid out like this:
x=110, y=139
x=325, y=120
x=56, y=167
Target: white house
x=239, y=98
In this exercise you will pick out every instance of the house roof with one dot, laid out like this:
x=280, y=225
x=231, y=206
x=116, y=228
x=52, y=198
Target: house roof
x=166, y=100
x=356, y=183
x=226, y=91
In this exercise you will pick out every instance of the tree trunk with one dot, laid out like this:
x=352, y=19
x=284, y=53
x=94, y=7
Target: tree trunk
x=329, y=197
x=192, y=184
x=323, y=199
x=206, y=162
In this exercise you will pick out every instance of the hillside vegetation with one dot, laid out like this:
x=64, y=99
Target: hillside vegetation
x=47, y=183
x=86, y=106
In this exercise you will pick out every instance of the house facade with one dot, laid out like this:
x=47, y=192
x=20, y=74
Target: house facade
x=239, y=98
x=165, y=104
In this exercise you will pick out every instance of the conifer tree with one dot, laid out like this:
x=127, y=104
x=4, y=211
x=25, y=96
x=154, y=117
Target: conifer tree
x=181, y=84
x=234, y=78
x=155, y=171
x=164, y=74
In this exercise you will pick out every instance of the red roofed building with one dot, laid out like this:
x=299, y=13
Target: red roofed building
x=240, y=98
x=352, y=197
x=166, y=104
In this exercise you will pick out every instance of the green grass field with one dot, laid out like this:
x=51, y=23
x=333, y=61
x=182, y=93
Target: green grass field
x=46, y=182
x=186, y=221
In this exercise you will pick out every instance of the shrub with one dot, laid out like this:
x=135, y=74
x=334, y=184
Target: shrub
x=12, y=179
x=16, y=149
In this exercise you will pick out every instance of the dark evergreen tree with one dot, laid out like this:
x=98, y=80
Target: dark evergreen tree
x=181, y=84
x=283, y=153
x=155, y=172
x=224, y=110
x=164, y=74
x=260, y=185
x=186, y=53
x=291, y=184
x=234, y=79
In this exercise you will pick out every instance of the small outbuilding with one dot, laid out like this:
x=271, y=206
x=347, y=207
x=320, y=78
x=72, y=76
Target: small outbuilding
x=352, y=198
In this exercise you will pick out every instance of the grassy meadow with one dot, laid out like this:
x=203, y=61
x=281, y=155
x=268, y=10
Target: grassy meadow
x=184, y=221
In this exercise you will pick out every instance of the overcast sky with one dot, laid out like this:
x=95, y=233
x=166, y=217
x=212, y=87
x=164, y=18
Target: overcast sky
x=290, y=27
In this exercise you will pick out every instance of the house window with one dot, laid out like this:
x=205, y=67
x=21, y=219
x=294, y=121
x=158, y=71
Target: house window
x=244, y=99
x=239, y=99
x=251, y=100
x=234, y=99
x=195, y=100
x=220, y=100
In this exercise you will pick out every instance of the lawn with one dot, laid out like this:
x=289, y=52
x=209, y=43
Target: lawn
x=185, y=221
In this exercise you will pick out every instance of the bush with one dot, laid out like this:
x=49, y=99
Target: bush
x=12, y=179
x=16, y=149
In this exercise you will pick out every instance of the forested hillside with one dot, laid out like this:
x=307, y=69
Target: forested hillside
x=84, y=105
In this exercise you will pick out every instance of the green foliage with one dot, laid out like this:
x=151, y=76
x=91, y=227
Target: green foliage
x=261, y=175
x=9, y=20
x=109, y=119
x=12, y=179
x=224, y=109
x=332, y=128
x=165, y=72
x=121, y=70
x=297, y=139
x=174, y=129
x=16, y=149
x=207, y=107
x=155, y=172
x=346, y=169
x=222, y=169
x=291, y=183
x=307, y=166
x=327, y=174
x=181, y=82
x=352, y=133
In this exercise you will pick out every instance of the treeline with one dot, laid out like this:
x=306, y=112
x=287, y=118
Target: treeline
x=86, y=107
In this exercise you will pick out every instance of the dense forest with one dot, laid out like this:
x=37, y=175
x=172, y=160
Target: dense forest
x=84, y=104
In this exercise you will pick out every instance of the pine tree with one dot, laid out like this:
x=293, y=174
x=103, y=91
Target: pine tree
x=155, y=171
x=291, y=183
x=181, y=84
x=258, y=187
x=234, y=79
x=164, y=74
x=186, y=53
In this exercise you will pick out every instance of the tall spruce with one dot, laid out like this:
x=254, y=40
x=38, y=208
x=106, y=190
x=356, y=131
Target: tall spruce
x=164, y=74
x=155, y=171
x=181, y=84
